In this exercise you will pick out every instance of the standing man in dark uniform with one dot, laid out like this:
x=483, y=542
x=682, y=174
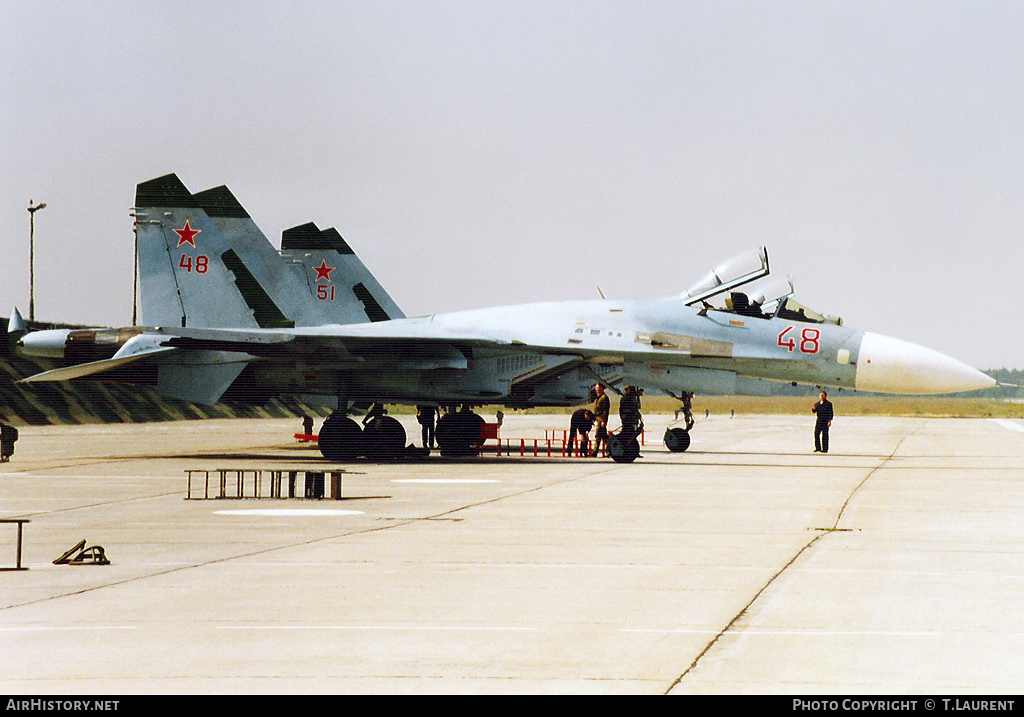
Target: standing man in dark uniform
x=823, y=410
x=629, y=413
x=602, y=407
x=425, y=416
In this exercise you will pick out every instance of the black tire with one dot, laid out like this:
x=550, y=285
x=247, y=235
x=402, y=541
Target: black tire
x=623, y=451
x=340, y=438
x=458, y=434
x=677, y=440
x=384, y=438
x=445, y=434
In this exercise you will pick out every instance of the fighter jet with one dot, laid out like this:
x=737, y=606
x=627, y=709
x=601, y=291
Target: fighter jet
x=226, y=315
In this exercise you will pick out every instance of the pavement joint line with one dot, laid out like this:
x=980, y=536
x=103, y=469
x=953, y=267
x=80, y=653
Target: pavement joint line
x=965, y=564
x=57, y=628
x=371, y=529
x=103, y=504
x=821, y=633
x=792, y=561
x=454, y=628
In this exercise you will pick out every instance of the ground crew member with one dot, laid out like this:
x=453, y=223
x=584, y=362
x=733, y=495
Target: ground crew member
x=8, y=435
x=824, y=412
x=425, y=416
x=602, y=407
x=629, y=413
x=581, y=422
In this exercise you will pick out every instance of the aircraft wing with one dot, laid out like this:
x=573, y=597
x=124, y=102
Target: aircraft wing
x=350, y=343
x=90, y=368
x=338, y=345
x=420, y=341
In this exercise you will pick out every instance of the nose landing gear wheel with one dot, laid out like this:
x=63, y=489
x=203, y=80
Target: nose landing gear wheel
x=677, y=440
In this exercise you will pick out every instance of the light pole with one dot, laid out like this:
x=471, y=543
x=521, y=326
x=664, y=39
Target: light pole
x=32, y=209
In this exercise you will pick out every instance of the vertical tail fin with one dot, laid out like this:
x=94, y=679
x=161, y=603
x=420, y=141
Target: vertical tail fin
x=184, y=278
x=335, y=276
x=203, y=262
x=275, y=291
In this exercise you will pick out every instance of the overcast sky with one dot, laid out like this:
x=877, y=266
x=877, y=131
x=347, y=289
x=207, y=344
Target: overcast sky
x=485, y=153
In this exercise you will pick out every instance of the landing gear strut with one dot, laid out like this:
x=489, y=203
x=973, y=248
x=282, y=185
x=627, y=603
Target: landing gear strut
x=677, y=440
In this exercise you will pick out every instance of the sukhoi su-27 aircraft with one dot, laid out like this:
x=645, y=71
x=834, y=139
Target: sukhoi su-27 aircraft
x=227, y=316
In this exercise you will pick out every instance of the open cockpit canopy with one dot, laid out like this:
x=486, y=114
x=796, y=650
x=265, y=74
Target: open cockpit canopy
x=736, y=272
x=771, y=299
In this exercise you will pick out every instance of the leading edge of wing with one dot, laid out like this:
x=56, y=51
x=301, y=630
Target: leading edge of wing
x=269, y=341
x=82, y=370
x=359, y=342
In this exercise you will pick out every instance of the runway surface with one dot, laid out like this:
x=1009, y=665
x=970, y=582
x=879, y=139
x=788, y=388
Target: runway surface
x=749, y=564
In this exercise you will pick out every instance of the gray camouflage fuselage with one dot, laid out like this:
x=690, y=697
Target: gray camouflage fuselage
x=225, y=312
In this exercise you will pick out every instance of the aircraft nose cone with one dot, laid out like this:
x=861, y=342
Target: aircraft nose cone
x=888, y=365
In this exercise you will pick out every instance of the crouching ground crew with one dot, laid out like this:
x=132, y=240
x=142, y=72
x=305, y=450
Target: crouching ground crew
x=581, y=422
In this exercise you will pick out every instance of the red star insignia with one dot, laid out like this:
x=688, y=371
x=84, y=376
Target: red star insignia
x=323, y=271
x=187, y=235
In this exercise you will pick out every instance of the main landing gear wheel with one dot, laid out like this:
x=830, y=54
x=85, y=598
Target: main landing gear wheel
x=677, y=440
x=623, y=450
x=458, y=434
x=384, y=438
x=340, y=438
